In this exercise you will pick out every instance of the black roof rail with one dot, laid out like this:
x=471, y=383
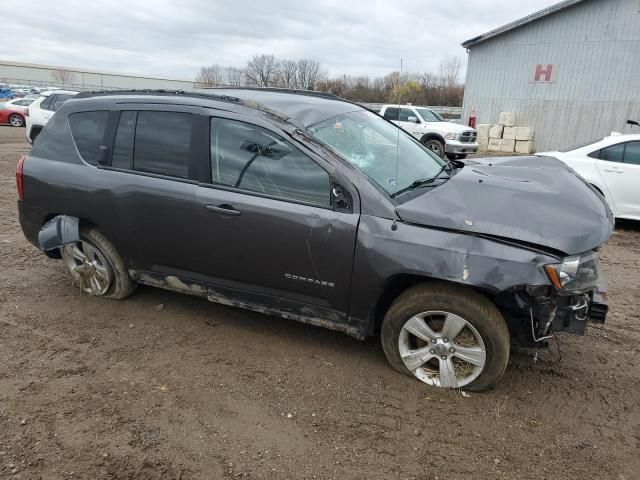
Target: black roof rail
x=187, y=93
x=294, y=91
x=160, y=91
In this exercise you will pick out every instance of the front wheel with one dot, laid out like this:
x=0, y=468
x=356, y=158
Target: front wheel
x=446, y=336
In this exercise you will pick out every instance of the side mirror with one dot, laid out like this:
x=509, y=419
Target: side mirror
x=341, y=198
x=413, y=120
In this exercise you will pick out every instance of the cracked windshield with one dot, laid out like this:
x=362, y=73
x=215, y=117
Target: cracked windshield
x=374, y=146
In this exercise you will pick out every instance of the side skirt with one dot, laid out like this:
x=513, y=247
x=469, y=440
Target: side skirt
x=289, y=309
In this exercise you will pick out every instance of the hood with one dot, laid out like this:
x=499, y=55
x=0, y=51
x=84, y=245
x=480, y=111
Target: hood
x=537, y=200
x=449, y=127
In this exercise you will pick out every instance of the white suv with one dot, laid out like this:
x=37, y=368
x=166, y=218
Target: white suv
x=42, y=109
x=433, y=131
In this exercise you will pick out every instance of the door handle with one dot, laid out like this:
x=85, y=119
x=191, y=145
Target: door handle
x=610, y=170
x=224, y=209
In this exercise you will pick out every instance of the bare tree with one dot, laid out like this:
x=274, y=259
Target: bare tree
x=287, y=74
x=261, y=71
x=64, y=77
x=234, y=76
x=210, y=76
x=309, y=73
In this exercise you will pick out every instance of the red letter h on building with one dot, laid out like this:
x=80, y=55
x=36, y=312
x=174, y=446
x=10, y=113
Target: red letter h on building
x=542, y=71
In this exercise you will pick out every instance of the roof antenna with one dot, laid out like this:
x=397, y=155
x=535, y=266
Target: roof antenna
x=394, y=225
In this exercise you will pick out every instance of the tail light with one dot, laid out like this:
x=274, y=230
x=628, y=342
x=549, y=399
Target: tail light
x=19, y=176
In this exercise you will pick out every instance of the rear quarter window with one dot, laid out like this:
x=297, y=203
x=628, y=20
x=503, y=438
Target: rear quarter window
x=87, y=130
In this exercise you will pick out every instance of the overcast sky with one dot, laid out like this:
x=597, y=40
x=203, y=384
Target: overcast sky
x=174, y=38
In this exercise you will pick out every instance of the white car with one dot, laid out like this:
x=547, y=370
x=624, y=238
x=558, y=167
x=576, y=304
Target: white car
x=42, y=109
x=612, y=166
x=433, y=131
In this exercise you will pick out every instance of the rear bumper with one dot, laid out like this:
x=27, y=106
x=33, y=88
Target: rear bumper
x=31, y=220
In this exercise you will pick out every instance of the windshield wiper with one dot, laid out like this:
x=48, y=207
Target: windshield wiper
x=423, y=182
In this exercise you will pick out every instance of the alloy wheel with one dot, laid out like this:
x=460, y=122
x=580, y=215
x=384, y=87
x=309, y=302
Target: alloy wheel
x=16, y=121
x=442, y=349
x=88, y=267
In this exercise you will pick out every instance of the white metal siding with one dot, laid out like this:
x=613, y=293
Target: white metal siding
x=594, y=47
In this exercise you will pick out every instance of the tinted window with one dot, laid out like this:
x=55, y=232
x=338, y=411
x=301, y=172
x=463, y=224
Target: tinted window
x=46, y=103
x=405, y=113
x=249, y=157
x=162, y=142
x=58, y=100
x=123, y=146
x=613, y=154
x=632, y=153
x=595, y=154
x=392, y=113
x=87, y=129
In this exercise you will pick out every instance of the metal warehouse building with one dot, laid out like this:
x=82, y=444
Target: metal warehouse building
x=79, y=79
x=571, y=71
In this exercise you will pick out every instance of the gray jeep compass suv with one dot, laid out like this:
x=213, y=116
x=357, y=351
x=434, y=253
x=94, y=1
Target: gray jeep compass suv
x=315, y=209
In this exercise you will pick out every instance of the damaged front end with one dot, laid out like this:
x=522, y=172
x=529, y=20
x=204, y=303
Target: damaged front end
x=575, y=297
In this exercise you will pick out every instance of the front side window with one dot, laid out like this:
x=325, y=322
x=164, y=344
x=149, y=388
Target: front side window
x=389, y=156
x=162, y=143
x=251, y=158
x=405, y=113
x=614, y=153
x=429, y=115
x=87, y=129
x=632, y=153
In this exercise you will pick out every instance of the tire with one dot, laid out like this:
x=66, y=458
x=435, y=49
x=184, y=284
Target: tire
x=102, y=261
x=443, y=302
x=436, y=146
x=16, y=120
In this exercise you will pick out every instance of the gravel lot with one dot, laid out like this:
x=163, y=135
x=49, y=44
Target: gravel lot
x=168, y=386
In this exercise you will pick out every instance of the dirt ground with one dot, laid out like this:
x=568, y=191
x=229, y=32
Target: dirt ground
x=168, y=386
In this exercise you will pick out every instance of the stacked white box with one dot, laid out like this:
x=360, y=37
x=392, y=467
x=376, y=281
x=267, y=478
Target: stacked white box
x=494, y=144
x=524, y=133
x=508, y=119
x=524, y=146
x=495, y=131
x=507, y=146
x=509, y=133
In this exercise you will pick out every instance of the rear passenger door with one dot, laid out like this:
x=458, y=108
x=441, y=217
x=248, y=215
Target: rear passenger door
x=153, y=186
x=271, y=229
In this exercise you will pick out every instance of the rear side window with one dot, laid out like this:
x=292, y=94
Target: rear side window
x=614, y=153
x=46, y=103
x=251, y=158
x=154, y=142
x=87, y=129
x=58, y=100
x=391, y=113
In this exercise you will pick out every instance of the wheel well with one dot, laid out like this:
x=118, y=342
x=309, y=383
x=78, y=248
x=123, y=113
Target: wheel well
x=397, y=284
x=432, y=136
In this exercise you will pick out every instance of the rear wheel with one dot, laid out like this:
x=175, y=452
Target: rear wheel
x=446, y=336
x=95, y=266
x=16, y=120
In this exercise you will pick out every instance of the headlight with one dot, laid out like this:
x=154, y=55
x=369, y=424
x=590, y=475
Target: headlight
x=576, y=274
x=452, y=136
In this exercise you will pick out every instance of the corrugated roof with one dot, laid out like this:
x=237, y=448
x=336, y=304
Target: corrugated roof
x=523, y=21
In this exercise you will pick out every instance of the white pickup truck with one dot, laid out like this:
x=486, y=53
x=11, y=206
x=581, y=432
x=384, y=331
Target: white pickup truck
x=433, y=131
